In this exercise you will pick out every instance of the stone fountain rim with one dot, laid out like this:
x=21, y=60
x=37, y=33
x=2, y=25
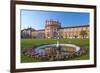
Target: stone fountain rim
x=62, y=44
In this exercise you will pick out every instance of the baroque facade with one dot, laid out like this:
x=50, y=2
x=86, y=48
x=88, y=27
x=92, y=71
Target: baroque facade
x=53, y=29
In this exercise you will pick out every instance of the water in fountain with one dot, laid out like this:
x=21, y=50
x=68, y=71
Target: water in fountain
x=57, y=38
x=57, y=44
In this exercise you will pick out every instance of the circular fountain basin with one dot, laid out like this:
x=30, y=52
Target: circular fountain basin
x=40, y=49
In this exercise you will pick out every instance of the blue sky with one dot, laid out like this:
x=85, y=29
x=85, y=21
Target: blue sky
x=36, y=19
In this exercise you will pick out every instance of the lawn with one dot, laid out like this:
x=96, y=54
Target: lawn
x=27, y=43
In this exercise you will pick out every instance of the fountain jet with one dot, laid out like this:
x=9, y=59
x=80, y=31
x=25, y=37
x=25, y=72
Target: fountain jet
x=57, y=44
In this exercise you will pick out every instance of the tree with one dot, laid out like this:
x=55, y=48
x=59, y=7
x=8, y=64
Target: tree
x=83, y=33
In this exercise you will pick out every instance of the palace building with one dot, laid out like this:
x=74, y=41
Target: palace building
x=53, y=29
